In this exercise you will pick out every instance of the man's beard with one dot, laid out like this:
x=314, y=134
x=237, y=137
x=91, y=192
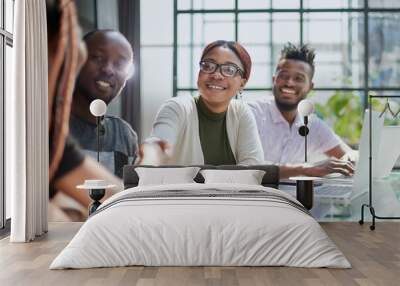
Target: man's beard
x=85, y=91
x=91, y=96
x=284, y=106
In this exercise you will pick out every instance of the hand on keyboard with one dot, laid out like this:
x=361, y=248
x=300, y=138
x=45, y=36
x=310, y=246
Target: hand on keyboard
x=334, y=176
x=329, y=166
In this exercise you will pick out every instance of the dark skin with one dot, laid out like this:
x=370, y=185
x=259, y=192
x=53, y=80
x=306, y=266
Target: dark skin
x=291, y=84
x=104, y=75
x=318, y=169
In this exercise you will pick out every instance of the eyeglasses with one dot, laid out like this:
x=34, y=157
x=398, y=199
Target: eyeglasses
x=228, y=70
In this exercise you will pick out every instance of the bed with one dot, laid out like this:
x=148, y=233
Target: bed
x=201, y=224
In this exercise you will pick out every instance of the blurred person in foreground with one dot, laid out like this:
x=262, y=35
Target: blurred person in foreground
x=68, y=166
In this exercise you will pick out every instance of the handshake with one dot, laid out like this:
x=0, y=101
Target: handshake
x=155, y=153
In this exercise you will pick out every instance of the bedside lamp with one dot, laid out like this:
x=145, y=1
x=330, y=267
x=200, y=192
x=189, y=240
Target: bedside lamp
x=97, y=188
x=305, y=185
x=98, y=108
x=305, y=108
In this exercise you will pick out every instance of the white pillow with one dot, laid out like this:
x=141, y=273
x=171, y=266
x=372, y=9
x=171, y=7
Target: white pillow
x=165, y=176
x=248, y=177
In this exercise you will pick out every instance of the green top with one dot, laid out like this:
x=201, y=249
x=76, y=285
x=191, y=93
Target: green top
x=213, y=136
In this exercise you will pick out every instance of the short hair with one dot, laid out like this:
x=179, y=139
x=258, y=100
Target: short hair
x=235, y=47
x=299, y=53
x=90, y=34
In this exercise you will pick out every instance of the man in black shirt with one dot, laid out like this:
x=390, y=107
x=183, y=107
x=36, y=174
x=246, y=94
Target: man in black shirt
x=104, y=75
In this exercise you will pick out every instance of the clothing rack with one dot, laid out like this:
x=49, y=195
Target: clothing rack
x=370, y=203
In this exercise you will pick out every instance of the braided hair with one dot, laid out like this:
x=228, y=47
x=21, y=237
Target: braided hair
x=63, y=40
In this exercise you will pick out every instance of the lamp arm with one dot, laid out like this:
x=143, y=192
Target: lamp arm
x=98, y=137
x=305, y=138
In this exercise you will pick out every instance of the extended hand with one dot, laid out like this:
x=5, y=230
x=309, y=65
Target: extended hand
x=154, y=153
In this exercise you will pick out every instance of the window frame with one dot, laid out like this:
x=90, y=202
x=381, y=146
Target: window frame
x=365, y=88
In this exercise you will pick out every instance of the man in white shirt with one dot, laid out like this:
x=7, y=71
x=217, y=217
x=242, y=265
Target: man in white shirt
x=278, y=121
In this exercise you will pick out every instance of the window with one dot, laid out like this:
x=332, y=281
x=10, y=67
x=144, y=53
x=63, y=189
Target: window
x=335, y=28
x=6, y=44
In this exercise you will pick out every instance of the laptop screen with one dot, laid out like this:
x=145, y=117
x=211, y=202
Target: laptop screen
x=362, y=167
x=385, y=147
x=388, y=152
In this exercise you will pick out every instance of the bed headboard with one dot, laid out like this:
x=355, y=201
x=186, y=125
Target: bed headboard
x=270, y=179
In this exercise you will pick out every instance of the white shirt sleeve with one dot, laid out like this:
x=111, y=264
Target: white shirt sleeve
x=168, y=123
x=325, y=137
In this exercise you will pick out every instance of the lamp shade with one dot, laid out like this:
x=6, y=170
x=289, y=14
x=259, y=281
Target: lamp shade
x=98, y=107
x=305, y=107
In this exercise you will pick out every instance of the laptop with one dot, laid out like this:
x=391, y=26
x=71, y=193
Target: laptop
x=348, y=188
x=389, y=152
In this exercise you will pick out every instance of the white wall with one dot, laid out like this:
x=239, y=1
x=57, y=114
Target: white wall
x=156, y=17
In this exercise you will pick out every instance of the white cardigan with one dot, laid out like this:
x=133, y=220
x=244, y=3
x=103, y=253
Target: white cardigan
x=177, y=123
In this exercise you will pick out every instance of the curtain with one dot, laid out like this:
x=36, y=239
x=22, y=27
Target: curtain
x=129, y=25
x=27, y=124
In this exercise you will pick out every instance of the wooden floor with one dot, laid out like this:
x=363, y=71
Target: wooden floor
x=374, y=255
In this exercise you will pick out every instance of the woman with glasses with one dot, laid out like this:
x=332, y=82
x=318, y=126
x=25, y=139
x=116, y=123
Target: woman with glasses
x=211, y=128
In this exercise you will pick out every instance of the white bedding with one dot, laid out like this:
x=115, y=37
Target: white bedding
x=188, y=230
